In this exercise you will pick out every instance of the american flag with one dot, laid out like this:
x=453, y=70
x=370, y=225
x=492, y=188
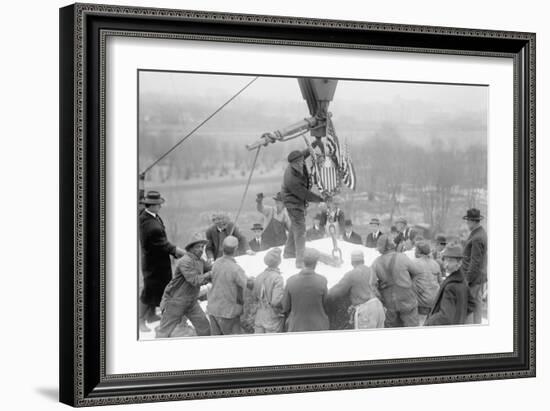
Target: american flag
x=336, y=168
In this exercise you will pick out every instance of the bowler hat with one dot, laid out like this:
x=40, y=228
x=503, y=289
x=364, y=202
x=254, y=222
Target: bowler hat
x=348, y=223
x=257, y=226
x=278, y=197
x=294, y=155
x=196, y=239
x=452, y=251
x=473, y=214
x=374, y=221
x=152, y=197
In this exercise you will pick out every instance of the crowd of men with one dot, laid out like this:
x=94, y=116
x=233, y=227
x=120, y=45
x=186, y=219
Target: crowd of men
x=443, y=284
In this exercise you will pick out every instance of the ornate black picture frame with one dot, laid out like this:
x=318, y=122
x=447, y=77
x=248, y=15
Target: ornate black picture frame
x=83, y=30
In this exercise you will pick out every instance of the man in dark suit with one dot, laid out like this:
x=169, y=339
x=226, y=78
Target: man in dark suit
x=156, y=266
x=315, y=232
x=372, y=237
x=351, y=236
x=451, y=302
x=304, y=297
x=257, y=243
x=405, y=238
x=215, y=235
x=296, y=195
x=475, y=261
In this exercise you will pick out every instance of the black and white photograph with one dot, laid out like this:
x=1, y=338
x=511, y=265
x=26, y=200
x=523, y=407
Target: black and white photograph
x=271, y=204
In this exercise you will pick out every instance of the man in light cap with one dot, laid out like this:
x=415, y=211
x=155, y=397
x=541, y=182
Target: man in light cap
x=180, y=298
x=225, y=299
x=268, y=293
x=296, y=195
x=304, y=297
x=427, y=282
x=359, y=285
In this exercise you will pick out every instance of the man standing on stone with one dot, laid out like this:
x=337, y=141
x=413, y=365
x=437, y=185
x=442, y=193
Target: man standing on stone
x=156, y=266
x=226, y=297
x=296, y=195
x=474, y=264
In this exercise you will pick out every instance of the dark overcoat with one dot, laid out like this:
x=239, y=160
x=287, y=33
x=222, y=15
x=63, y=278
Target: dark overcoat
x=474, y=264
x=451, y=303
x=156, y=266
x=354, y=238
x=215, y=239
x=255, y=246
x=372, y=239
x=304, y=300
x=313, y=233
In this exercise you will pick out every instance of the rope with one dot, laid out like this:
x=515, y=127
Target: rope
x=199, y=126
x=245, y=189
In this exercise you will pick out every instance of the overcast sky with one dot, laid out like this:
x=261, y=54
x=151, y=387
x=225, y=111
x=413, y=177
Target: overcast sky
x=187, y=86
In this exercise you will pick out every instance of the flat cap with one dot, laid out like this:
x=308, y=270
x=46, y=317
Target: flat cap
x=311, y=256
x=273, y=257
x=230, y=242
x=357, y=255
x=294, y=155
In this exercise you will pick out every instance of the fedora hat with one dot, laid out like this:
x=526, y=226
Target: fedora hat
x=401, y=220
x=196, y=239
x=452, y=251
x=374, y=221
x=257, y=226
x=152, y=197
x=473, y=214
